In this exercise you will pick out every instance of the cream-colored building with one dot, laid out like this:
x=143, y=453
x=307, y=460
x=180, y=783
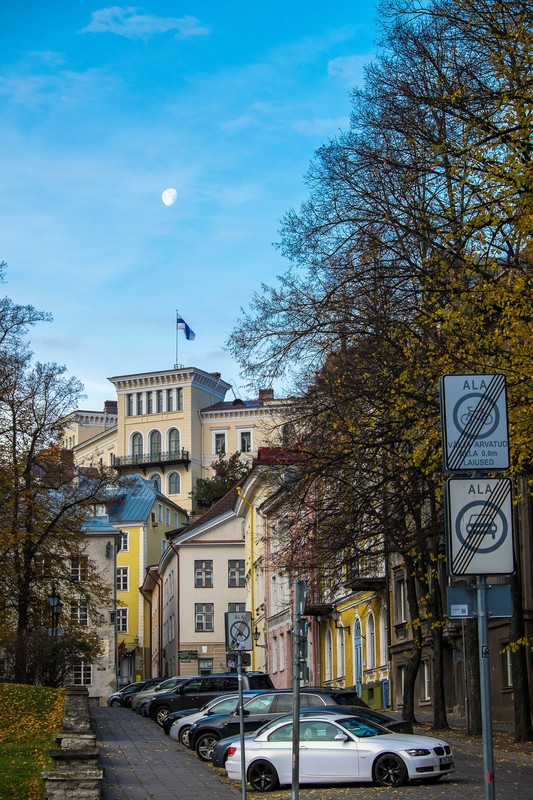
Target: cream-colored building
x=170, y=426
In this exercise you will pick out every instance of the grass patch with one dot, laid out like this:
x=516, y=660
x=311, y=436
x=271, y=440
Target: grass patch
x=29, y=717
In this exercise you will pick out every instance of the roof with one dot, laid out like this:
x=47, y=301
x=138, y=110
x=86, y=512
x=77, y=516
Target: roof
x=134, y=500
x=218, y=509
x=231, y=405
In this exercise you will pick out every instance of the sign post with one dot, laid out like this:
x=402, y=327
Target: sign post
x=239, y=643
x=479, y=518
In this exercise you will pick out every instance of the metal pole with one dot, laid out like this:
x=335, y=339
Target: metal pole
x=484, y=673
x=241, y=724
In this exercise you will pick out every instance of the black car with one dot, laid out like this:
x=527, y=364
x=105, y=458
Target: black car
x=200, y=689
x=270, y=705
x=123, y=697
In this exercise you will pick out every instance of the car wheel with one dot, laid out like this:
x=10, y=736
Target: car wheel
x=114, y=702
x=183, y=735
x=389, y=770
x=161, y=714
x=204, y=746
x=262, y=776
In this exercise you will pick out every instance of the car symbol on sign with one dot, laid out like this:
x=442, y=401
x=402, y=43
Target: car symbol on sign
x=482, y=526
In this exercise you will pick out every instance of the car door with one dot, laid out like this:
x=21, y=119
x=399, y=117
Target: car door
x=324, y=756
x=257, y=711
x=189, y=695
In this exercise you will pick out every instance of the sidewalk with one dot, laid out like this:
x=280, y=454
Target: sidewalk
x=141, y=763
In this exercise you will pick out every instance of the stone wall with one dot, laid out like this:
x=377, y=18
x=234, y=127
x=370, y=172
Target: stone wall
x=75, y=774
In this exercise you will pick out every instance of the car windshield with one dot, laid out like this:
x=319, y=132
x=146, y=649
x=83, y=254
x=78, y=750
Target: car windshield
x=362, y=728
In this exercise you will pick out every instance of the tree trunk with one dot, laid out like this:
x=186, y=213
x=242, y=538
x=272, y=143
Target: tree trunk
x=440, y=720
x=522, y=700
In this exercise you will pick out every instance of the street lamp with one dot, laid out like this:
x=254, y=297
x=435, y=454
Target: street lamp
x=256, y=636
x=54, y=601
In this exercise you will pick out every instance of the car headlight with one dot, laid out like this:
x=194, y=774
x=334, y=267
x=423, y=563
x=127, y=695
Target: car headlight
x=418, y=751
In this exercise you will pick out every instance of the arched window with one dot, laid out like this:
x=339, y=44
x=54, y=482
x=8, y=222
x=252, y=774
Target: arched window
x=136, y=446
x=173, y=441
x=384, y=637
x=155, y=444
x=340, y=653
x=157, y=480
x=174, y=483
x=329, y=655
x=358, y=656
x=370, y=642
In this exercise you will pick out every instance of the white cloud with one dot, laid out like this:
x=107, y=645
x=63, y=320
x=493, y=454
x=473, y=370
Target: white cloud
x=321, y=126
x=131, y=23
x=350, y=70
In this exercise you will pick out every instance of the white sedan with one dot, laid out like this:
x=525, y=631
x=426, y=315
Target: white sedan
x=339, y=749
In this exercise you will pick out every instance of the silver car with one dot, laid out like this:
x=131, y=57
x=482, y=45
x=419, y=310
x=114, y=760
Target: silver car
x=164, y=686
x=339, y=749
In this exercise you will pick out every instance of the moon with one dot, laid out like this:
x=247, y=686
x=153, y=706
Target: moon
x=169, y=197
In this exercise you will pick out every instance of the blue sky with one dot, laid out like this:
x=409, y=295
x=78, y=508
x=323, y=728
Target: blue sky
x=102, y=108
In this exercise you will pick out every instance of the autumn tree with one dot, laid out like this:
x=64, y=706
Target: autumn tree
x=410, y=259
x=44, y=504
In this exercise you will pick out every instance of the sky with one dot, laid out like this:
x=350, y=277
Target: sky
x=102, y=108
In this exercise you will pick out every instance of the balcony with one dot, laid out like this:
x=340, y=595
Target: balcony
x=146, y=461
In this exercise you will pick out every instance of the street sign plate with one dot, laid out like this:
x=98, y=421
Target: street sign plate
x=474, y=423
x=238, y=630
x=479, y=523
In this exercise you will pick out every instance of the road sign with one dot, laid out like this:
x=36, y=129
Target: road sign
x=238, y=630
x=474, y=423
x=479, y=525
x=462, y=601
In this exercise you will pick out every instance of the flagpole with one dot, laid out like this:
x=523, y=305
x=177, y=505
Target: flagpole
x=177, y=340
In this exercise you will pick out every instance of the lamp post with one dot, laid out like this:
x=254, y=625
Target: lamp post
x=54, y=601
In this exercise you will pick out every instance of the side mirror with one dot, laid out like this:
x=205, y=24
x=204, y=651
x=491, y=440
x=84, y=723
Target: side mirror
x=341, y=737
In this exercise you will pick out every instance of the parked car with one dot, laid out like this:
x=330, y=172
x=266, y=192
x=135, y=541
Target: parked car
x=221, y=748
x=163, y=685
x=178, y=723
x=198, y=690
x=339, y=749
x=124, y=696
x=206, y=732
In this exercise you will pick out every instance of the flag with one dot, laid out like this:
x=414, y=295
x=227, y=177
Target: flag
x=181, y=325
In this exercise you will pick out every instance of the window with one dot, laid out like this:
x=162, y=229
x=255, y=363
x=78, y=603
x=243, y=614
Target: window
x=122, y=620
x=79, y=569
x=220, y=444
x=329, y=656
x=170, y=400
x=129, y=405
x=401, y=601
x=150, y=402
x=124, y=542
x=400, y=683
x=340, y=653
x=370, y=642
x=173, y=441
x=167, y=517
x=160, y=513
x=204, y=616
x=159, y=401
x=82, y=674
x=245, y=441
x=155, y=444
x=274, y=655
x=139, y=403
x=236, y=576
x=174, y=483
x=236, y=608
x=383, y=637
x=176, y=519
x=281, y=652
x=157, y=483
x=122, y=579
x=79, y=612
x=136, y=446
x=425, y=681
x=506, y=666
x=179, y=399
x=203, y=573
x=205, y=666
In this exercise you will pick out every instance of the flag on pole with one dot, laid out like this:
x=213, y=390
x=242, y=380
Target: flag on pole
x=181, y=325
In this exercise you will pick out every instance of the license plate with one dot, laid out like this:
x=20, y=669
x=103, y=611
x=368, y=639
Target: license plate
x=446, y=760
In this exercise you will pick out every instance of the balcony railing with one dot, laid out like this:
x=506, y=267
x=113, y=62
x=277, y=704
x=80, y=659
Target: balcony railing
x=156, y=458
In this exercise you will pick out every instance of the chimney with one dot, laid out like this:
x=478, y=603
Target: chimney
x=111, y=407
x=266, y=394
